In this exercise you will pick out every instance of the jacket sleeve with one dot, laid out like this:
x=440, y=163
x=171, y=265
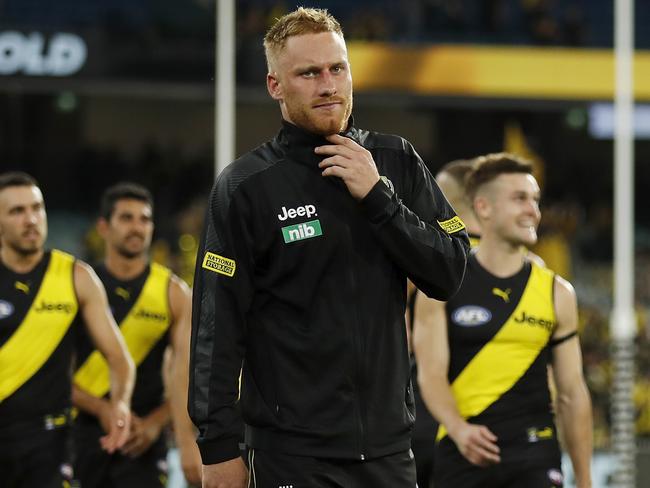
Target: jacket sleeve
x=425, y=239
x=222, y=294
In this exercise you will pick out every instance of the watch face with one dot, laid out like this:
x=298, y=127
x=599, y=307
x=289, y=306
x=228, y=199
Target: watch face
x=388, y=183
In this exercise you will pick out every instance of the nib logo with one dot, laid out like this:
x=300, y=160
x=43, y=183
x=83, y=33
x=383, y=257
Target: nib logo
x=298, y=232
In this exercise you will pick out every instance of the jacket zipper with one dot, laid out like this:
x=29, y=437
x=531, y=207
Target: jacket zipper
x=357, y=361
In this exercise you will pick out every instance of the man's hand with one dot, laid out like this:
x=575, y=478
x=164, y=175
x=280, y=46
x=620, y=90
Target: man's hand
x=116, y=422
x=477, y=444
x=229, y=474
x=350, y=162
x=144, y=432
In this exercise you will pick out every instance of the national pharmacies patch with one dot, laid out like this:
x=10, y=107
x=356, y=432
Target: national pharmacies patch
x=219, y=264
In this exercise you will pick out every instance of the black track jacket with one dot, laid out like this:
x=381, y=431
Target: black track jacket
x=304, y=288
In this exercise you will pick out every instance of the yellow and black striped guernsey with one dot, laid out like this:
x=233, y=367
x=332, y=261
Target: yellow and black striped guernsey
x=141, y=309
x=37, y=311
x=499, y=331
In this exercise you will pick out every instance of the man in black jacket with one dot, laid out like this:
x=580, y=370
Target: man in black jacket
x=301, y=284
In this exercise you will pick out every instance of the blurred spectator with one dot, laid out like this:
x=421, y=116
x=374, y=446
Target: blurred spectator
x=574, y=29
x=595, y=237
x=492, y=15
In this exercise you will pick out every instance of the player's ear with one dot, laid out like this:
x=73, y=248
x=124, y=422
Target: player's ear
x=274, y=86
x=102, y=227
x=481, y=206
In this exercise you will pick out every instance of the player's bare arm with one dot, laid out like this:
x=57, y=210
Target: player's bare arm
x=475, y=442
x=181, y=308
x=105, y=335
x=573, y=400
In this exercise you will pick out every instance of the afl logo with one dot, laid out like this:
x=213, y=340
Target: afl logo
x=6, y=309
x=471, y=316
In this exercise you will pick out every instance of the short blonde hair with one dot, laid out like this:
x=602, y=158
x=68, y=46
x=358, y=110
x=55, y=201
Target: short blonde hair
x=300, y=21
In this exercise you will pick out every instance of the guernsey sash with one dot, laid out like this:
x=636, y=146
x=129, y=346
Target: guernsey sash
x=497, y=367
x=44, y=326
x=142, y=328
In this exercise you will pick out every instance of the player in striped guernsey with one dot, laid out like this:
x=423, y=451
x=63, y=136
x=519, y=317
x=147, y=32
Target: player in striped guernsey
x=42, y=294
x=484, y=372
x=152, y=307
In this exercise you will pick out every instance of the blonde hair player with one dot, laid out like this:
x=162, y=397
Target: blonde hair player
x=301, y=279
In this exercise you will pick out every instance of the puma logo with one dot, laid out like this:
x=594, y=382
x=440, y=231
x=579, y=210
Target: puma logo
x=123, y=293
x=24, y=287
x=505, y=294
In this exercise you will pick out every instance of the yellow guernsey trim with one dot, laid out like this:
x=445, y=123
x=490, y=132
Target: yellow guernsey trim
x=503, y=361
x=46, y=323
x=474, y=241
x=142, y=328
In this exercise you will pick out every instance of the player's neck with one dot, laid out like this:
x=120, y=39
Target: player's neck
x=124, y=268
x=500, y=258
x=18, y=262
x=469, y=219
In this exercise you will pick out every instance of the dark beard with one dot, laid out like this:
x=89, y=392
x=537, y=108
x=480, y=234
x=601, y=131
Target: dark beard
x=125, y=253
x=23, y=252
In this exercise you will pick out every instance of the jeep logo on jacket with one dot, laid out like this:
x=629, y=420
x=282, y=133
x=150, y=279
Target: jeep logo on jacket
x=292, y=213
x=315, y=309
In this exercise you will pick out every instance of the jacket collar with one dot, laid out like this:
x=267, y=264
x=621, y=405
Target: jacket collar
x=299, y=144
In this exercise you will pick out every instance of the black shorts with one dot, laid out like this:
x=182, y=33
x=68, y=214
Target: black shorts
x=34, y=454
x=273, y=469
x=423, y=452
x=95, y=468
x=535, y=467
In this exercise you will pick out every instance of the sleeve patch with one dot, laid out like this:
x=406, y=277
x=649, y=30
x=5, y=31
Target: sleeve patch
x=219, y=264
x=452, y=225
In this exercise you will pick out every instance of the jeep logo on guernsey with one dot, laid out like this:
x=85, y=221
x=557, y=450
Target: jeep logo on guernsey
x=292, y=213
x=471, y=316
x=149, y=315
x=535, y=321
x=299, y=232
x=54, y=307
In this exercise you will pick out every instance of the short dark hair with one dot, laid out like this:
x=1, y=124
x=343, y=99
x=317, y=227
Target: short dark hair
x=125, y=190
x=16, y=178
x=490, y=166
